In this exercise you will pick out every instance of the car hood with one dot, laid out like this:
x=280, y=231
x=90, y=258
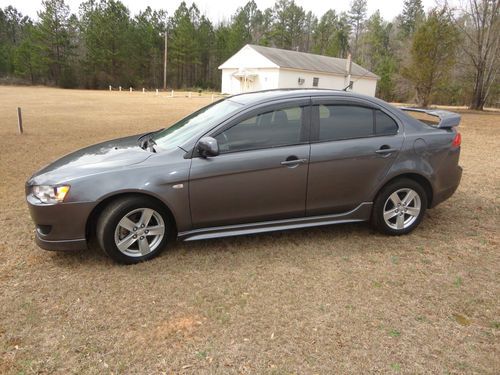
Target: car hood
x=94, y=159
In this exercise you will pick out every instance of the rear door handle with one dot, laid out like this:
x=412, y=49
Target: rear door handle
x=294, y=162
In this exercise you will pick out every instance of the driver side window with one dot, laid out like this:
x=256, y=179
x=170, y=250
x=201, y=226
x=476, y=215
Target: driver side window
x=280, y=127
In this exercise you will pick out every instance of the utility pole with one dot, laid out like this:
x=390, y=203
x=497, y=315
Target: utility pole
x=165, y=63
x=349, y=69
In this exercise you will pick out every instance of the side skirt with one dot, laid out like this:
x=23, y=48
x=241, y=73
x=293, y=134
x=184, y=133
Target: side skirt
x=360, y=213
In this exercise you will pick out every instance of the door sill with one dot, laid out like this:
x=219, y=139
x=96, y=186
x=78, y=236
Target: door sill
x=360, y=213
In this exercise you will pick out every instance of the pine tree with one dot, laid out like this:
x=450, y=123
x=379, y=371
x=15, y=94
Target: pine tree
x=53, y=39
x=357, y=16
x=413, y=14
x=240, y=30
x=13, y=29
x=432, y=54
x=147, y=39
x=205, y=34
x=325, y=32
x=27, y=58
x=288, y=25
x=331, y=35
x=379, y=56
x=105, y=28
x=184, y=48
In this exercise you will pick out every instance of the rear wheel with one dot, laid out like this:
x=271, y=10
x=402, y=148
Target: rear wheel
x=399, y=207
x=133, y=229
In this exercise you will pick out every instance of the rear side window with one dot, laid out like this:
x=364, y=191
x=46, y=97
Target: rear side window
x=384, y=125
x=270, y=129
x=345, y=121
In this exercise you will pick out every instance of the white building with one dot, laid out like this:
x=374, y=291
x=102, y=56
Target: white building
x=255, y=68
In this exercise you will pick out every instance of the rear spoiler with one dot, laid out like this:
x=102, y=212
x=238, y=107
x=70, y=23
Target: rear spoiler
x=447, y=119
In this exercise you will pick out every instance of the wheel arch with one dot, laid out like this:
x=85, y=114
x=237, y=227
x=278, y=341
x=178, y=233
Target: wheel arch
x=422, y=180
x=90, y=226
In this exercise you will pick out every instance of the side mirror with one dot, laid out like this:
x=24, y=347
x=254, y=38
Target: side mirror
x=208, y=146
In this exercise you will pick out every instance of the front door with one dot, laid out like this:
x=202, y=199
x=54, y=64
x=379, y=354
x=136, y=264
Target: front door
x=353, y=146
x=260, y=173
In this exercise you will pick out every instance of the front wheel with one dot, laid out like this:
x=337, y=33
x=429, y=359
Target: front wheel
x=399, y=207
x=133, y=229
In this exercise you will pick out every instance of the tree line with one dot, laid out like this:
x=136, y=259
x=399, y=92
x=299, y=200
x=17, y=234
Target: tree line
x=445, y=56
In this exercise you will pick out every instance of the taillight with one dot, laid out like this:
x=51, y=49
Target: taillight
x=457, y=141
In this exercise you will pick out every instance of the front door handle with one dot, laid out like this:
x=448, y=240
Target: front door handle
x=290, y=161
x=385, y=149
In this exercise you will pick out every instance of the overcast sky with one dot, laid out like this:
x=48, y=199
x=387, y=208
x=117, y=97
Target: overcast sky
x=222, y=9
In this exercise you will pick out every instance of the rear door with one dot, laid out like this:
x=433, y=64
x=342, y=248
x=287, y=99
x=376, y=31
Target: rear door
x=261, y=171
x=353, y=145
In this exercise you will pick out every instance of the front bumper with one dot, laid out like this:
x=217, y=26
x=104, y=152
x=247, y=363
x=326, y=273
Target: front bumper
x=60, y=245
x=60, y=226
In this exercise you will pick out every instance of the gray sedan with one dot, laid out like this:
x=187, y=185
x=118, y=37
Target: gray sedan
x=255, y=162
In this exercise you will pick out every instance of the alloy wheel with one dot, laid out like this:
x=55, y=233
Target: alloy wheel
x=139, y=232
x=402, y=208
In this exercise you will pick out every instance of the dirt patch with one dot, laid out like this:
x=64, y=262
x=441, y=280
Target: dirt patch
x=164, y=330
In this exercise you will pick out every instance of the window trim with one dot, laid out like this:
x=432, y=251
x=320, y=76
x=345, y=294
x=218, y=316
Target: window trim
x=375, y=123
x=305, y=129
x=315, y=120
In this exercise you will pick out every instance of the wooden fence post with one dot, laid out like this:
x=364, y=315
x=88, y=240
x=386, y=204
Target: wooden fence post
x=19, y=120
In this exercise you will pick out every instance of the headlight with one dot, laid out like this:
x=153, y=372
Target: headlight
x=50, y=194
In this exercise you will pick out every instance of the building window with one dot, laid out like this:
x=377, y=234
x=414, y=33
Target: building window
x=315, y=82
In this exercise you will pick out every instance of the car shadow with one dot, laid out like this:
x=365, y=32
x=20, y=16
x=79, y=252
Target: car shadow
x=338, y=240
x=93, y=255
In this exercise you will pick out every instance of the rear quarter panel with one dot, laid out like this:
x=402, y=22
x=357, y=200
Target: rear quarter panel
x=427, y=152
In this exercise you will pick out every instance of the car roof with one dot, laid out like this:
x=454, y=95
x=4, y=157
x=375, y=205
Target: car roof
x=257, y=97
x=265, y=96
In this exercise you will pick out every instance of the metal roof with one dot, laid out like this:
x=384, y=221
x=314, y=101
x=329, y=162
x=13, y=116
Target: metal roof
x=309, y=61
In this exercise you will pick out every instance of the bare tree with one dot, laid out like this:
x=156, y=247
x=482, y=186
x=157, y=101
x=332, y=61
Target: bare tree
x=480, y=24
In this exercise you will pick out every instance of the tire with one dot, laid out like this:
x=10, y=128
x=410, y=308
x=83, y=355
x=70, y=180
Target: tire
x=129, y=229
x=390, y=218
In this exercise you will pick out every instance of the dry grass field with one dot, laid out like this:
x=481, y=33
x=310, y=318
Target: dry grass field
x=332, y=300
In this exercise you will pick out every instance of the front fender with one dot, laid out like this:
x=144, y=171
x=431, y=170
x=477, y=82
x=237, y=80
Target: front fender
x=168, y=182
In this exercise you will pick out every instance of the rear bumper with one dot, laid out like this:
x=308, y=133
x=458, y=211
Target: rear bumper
x=452, y=185
x=60, y=226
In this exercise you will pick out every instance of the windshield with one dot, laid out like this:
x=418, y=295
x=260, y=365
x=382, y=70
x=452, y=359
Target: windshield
x=182, y=131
